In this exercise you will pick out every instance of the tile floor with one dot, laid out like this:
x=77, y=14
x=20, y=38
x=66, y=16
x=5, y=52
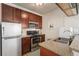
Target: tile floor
x=34, y=53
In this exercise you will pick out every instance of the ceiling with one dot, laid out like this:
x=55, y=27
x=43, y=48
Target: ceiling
x=45, y=8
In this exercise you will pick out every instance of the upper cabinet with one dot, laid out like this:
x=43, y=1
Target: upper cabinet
x=32, y=17
x=17, y=15
x=40, y=22
x=12, y=14
x=36, y=18
x=70, y=9
x=24, y=19
x=7, y=13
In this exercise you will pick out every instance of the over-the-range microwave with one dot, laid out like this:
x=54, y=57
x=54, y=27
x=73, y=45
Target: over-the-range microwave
x=33, y=24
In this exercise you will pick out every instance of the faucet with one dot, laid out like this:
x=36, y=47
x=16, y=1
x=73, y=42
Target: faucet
x=71, y=37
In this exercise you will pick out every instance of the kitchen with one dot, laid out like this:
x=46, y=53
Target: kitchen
x=25, y=31
x=15, y=17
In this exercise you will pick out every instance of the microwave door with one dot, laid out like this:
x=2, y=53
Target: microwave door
x=33, y=25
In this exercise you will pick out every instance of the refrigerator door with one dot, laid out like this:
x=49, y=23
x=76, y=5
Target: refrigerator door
x=11, y=29
x=11, y=47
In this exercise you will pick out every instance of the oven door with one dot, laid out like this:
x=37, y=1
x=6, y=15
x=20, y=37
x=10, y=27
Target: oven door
x=35, y=43
x=35, y=40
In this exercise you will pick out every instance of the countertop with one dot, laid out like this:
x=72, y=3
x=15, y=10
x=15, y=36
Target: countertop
x=31, y=35
x=59, y=48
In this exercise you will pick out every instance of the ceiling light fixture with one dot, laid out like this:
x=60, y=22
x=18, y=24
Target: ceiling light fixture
x=38, y=4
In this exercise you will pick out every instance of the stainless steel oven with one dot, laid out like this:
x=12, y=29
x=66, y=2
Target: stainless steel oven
x=35, y=39
x=35, y=42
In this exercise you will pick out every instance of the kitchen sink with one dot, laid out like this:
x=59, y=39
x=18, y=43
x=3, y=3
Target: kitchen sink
x=62, y=40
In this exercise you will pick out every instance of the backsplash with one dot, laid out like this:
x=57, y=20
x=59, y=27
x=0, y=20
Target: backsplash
x=24, y=32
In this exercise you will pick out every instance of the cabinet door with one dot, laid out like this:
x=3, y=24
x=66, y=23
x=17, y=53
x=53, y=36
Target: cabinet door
x=24, y=19
x=7, y=13
x=26, y=44
x=42, y=38
x=32, y=17
x=17, y=15
x=36, y=18
x=46, y=52
x=40, y=22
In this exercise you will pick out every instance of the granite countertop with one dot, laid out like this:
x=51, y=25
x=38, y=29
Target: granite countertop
x=59, y=48
x=30, y=35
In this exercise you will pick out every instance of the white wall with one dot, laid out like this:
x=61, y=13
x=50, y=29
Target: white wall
x=72, y=21
x=58, y=19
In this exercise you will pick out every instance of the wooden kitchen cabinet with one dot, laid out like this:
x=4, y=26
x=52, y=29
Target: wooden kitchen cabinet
x=24, y=19
x=17, y=15
x=26, y=45
x=32, y=17
x=7, y=13
x=40, y=22
x=42, y=38
x=36, y=18
x=12, y=14
x=46, y=52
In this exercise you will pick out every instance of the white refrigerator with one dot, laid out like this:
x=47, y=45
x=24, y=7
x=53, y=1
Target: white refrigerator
x=11, y=39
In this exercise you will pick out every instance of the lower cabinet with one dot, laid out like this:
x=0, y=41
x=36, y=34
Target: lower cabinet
x=46, y=52
x=26, y=45
x=42, y=38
